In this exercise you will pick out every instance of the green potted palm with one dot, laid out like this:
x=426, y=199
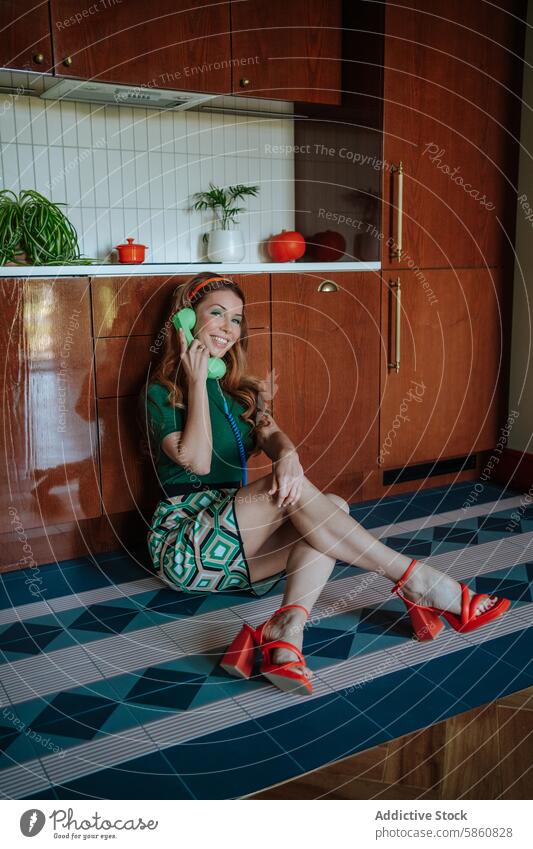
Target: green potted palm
x=224, y=243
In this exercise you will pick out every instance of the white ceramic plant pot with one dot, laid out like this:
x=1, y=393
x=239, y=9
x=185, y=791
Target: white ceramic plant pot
x=225, y=246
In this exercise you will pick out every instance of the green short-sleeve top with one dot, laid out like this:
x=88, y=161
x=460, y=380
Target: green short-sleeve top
x=163, y=418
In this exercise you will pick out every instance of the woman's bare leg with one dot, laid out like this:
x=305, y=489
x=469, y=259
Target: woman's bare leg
x=307, y=572
x=330, y=531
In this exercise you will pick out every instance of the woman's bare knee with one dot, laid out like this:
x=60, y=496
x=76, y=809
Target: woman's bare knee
x=309, y=490
x=338, y=499
x=257, y=513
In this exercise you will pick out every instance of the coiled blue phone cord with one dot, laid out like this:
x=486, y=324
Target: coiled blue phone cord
x=238, y=437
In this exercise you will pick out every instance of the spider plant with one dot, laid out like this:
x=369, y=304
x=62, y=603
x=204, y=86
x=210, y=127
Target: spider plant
x=35, y=227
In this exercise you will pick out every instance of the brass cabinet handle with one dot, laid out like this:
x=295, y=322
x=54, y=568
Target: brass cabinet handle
x=244, y=83
x=397, y=286
x=396, y=247
x=67, y=61
x=327, y=286
x=38, y=58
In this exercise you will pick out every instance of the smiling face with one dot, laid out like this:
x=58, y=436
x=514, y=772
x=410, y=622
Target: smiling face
x=218, y=321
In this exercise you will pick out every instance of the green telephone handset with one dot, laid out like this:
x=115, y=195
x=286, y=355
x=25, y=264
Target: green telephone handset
x=186, y=319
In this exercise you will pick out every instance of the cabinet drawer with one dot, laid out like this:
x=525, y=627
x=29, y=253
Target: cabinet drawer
x=126, y=306
x=136, y=306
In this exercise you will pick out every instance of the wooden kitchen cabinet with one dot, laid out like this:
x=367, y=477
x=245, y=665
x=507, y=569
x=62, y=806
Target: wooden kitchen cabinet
x=25, y=43
x=170, y=44
x=48, y=439
x=325, y=355
x=287, y=51
x=452, y=97
x=449, y=397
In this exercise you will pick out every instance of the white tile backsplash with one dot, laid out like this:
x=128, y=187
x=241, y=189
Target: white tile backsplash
x=23, y=122
x=132, y=172
x=25, y=164
x=125, y=118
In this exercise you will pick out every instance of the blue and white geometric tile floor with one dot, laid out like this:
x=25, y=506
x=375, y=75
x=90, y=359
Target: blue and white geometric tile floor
x=111, y=685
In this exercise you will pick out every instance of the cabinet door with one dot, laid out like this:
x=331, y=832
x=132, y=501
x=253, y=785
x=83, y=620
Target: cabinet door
x=452, y=89
x=325, y=354
x=287, y=51
x=48, y=439
x=169, y=44
x=448, y=397
x=25, y=41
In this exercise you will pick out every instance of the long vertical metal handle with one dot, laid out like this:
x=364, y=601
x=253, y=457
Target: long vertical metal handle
x=397, y=286
x=396, y=246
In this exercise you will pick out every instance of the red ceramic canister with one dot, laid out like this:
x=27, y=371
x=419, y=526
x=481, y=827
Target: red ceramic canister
x=131, y=253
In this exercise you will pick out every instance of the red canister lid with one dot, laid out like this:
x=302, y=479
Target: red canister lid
x=130, y=244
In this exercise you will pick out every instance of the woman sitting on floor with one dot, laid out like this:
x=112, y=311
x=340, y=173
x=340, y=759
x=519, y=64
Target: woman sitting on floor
x=213, y=532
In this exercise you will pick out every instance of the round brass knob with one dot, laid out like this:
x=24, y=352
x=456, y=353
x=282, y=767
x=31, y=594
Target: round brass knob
x=328, y=286
x=67, y=61
x=244, y=83
x=38, y=58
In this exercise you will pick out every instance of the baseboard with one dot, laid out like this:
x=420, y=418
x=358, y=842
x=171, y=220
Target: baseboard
x=55, y=543
x=515, y=469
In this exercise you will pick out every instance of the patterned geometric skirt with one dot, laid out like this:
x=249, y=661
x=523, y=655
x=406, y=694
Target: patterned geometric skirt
x=196, y=546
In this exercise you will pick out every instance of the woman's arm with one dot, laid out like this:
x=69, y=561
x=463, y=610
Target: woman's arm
x=272, y=440
x=193, y=448
x=287, y=469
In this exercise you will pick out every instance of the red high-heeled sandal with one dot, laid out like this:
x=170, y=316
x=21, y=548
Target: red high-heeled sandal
x=426, y=620
x=238, y=660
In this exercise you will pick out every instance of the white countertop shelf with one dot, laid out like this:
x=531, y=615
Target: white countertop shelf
x=148, y=269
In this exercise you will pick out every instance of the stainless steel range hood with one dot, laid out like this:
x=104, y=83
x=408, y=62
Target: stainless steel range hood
x=122, y=95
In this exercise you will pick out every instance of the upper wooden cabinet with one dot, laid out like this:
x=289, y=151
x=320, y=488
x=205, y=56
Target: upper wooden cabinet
x=48, y=439
x=274, y=50
x=171, y=44
x=25, y=40
x=287, y=51
x=452, y=95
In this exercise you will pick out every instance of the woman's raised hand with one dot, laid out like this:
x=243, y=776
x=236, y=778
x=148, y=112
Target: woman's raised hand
x=195, y=359
x=287, y=479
